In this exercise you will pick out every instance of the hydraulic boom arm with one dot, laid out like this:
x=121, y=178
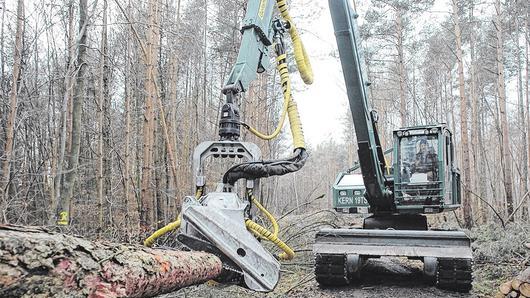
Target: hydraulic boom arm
x=371, y=155
x=253, y=58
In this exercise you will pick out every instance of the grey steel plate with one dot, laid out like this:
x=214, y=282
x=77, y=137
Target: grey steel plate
x=439, y=244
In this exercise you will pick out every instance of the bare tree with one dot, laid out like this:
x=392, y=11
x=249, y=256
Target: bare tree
x=464, y=142
x=63, y=205
x=13, y=106
x=102, y=111
x=505, y=147
x=147, y=215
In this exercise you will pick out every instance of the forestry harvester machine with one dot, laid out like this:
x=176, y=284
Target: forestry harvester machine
x=424, y=180
x=221, y=221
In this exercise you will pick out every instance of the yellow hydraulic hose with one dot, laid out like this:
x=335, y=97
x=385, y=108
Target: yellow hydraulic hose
x=287, y=254
x=296, y=125
x=286, y=86
x=275, y=226
x=162, y=231
x=289, y=106
x=306, y=72
x=260, y=231
x=300, y=54
x=169, y=227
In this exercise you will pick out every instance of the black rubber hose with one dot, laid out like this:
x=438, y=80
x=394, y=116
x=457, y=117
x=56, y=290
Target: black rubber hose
x=260, y=169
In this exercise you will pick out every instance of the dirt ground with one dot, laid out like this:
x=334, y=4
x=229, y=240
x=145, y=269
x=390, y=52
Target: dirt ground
x=387, y=277
x=499, y=254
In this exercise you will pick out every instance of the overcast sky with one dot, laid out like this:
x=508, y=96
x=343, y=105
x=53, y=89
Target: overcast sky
x=324, y=104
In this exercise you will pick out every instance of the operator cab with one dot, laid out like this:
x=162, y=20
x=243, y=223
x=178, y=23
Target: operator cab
x=426, y=178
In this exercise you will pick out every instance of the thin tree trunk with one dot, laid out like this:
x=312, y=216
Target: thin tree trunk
x=62, y=130
x=63, y=206
x=468, y=219
x=479, y=178
x=148, y=213
x=527, y=78
x=523, y=175
x=401, y=71
x=2, y=55
x=505, y=148
x=13, y=105
x=132, y=216
x=102, y=99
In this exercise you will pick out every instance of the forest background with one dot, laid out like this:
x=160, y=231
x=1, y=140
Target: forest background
x=103, y=101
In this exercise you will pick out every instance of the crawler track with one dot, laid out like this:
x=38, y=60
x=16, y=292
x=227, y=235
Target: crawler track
x=454, y=274
x=330, y=270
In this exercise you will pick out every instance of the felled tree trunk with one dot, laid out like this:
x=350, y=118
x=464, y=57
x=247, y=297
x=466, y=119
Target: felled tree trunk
x=36, y=262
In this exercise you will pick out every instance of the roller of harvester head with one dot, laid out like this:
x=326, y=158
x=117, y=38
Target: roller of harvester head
x=215, y=222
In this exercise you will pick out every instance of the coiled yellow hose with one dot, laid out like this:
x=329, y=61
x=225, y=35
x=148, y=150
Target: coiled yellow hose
x=262, y=232
x=289, y=107
x=306, y=73
x=296, y=125
x=287, y=254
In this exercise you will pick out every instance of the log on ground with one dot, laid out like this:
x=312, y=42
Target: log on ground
x=517, y=287
x=36, y=262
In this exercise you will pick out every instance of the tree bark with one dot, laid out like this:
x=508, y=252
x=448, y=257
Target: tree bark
x=132, y=215
x=523, y=174
x=103, y=136
x=63, y=205
x=2, y=56
x=527, y=77
x=505, y=148
x=10, y=127
x=401, y=70
x=62, y=130
x=35, y=261
x=468, y=220
x=479, y=182
x=147, y=214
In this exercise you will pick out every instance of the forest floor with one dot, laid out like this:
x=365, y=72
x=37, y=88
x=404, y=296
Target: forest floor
x=499, y=254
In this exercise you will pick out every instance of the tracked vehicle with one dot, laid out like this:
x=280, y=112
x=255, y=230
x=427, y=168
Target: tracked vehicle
x=424, y=180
